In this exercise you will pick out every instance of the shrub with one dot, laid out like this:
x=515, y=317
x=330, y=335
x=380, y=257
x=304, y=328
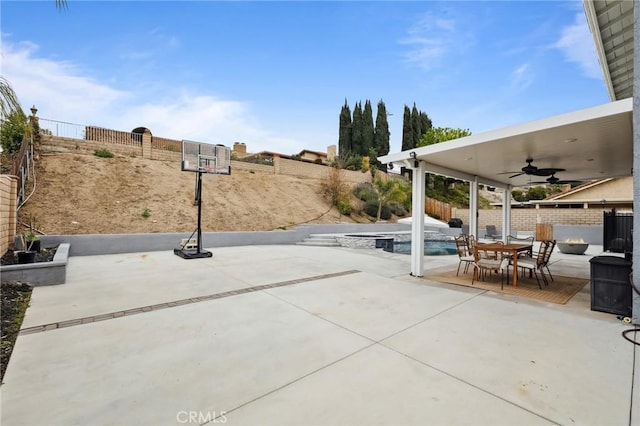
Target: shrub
x=344, y=205
x=537, y=193
x=103, y=153
x=398, y=209
x=336, y=190
x=12, y=131
x=371, y=209
x=365, y=164
x=518, y=195
x=364, y=191
x=146, y=213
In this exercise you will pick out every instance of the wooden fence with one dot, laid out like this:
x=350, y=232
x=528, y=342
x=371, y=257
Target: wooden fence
x=438, y=209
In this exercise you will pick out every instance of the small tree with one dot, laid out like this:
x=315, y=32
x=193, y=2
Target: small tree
x=14, y=127
x=336, y=190
x=387, y=190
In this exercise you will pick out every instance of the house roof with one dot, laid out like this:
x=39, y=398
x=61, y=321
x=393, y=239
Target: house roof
x=604, y=191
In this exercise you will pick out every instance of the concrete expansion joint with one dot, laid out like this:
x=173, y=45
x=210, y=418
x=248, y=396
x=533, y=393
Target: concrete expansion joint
x=175, y=303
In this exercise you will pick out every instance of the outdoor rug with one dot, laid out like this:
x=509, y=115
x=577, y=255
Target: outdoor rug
x=560, y=290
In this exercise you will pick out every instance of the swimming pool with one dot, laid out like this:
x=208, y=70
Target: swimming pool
x=431, y=247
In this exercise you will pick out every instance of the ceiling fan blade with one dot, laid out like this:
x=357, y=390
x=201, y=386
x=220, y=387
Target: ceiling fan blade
x=517, y=174
x=547, y=171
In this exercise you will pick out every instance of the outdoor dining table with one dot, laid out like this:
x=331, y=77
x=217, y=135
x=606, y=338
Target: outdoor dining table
x=512, y=248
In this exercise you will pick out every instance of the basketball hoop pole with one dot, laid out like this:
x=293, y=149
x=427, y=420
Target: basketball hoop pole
x=199, y=195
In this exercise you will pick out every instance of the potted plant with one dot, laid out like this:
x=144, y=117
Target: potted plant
x=27, y=255
x=32, y=238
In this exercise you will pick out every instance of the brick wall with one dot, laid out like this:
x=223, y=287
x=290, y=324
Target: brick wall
x=8, y=193
x=526, y=219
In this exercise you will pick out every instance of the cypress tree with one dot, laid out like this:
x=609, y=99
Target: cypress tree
x=407, y=134
x=425, y=124
x=381, y=136
x=416, y=126
x=357, y=130
x=367, y=129
x=345, y=146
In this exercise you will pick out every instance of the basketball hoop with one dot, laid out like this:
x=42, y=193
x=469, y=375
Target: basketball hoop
x=202, y=158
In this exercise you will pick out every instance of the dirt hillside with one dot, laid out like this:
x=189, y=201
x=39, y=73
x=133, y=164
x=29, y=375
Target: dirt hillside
x=85, y=194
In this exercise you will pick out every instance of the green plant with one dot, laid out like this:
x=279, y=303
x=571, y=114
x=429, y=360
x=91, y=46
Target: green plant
x=103, y=153
x=364, y=191
x=14, y=128
x=146, y=213
x=375, y=210
x=398, y=209
x=26, y=243
x=343, y=204
x=387, y=190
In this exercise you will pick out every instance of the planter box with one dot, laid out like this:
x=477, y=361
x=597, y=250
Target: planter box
x=41, y=273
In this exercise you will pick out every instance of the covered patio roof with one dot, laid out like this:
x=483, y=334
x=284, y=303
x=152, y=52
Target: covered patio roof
x=591, y=143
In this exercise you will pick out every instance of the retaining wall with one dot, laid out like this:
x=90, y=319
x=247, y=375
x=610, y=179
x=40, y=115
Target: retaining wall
x=86, y=245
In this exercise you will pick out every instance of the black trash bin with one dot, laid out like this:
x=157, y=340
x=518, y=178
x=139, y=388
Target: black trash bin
x=610, y=286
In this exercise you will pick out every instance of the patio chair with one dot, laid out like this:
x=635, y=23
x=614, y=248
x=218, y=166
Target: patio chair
x=464, y=253
x=490, y=261
x=492, y=232
x=526, y=240
x=536, y=263
x=547, y=257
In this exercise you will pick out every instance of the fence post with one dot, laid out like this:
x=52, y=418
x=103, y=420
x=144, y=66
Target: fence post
x=146, y=144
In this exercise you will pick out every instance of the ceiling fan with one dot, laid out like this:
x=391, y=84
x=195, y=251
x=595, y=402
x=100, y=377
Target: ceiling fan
x=530, y=169
x=553, y=180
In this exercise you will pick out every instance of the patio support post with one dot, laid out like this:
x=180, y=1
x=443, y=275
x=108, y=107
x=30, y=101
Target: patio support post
x=636, y=164
x=506, y=213
x=417, y=222
x=473, y=207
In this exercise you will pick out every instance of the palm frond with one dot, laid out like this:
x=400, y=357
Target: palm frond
x=8, y=99
x=61, y=4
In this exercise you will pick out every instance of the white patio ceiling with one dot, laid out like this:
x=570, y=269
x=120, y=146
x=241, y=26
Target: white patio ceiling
x=590, y=144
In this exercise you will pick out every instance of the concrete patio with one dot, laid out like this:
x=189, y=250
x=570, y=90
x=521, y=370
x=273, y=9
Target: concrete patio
x=311, y=335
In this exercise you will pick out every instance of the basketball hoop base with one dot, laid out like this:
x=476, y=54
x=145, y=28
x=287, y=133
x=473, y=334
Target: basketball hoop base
x=192, y=254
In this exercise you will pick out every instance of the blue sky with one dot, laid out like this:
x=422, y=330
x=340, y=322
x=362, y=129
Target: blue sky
x=275, y=74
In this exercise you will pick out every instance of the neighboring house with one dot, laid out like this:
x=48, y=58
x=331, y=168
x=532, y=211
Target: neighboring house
x=307, y=155
x=610, y=193
x=313, y=156
x=600, y=194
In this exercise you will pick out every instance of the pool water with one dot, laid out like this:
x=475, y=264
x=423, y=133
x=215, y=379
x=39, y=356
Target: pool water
x=431, y=247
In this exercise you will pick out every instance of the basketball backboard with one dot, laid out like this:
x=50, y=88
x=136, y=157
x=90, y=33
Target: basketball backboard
x=206, y=158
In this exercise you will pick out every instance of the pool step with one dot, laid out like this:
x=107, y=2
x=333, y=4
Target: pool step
x=320, y=241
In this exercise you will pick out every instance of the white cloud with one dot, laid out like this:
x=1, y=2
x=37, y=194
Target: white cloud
x=61, y=92
x=577, y=45
x=430, y=39
x=521, y=77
